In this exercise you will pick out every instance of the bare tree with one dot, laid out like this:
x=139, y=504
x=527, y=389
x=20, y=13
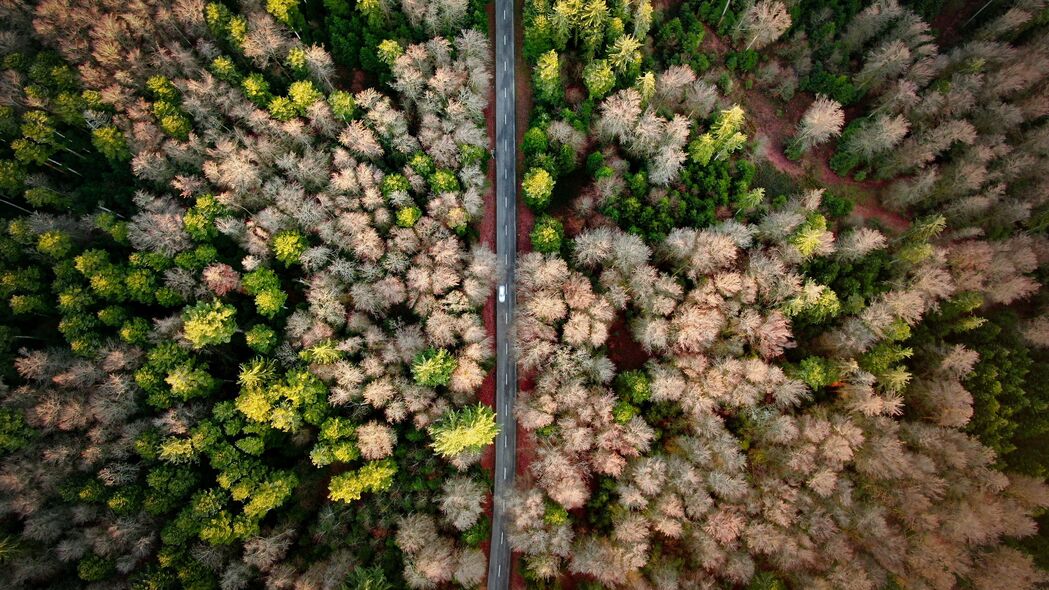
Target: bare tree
x=462, y=501
x=822, y=120
x=764, y=22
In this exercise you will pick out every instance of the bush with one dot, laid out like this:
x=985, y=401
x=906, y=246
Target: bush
x=838, y=87
x=534, y=141
x=744, y=61
x=835, y=206
x=842, y=162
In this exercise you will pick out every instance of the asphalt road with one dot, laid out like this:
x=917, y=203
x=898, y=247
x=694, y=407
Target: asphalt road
x=506, y=248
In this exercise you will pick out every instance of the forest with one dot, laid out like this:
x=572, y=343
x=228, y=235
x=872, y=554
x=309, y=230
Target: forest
x=782, y=323
x=780, y=319
x=242, y=339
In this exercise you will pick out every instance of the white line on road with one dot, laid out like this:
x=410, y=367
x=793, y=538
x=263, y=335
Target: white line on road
x=506, y=471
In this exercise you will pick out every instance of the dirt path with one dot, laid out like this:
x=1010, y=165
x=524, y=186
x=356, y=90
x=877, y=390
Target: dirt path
x=773, y=124
x=893, y=221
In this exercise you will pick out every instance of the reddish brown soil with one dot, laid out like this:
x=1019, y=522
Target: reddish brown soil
x=565, y=193
x=623, y=350
x=525, y=221
x=713, y=43
x=955, y=13
x=572, y=222
x=487, y=229
x=525, y=440
x=486, y=395
x=352, y=79
x=525, y=453
x=776, y=124
x=890, y=220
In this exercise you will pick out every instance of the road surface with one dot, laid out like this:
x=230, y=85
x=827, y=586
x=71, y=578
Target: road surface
x=506, y=248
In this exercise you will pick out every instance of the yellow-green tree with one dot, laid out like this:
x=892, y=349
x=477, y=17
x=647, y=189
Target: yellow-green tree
x=537, y=187
x=433, y=367
x=625, y=54
x=564, y=21
x=285, y=404
x=375, y=476
x=591, y=24
x=377, y=12
x=646, y=86
x=389, y=51
x=599, y=78
x=469, y=429
x=209, y=323
x=287, y=12
x=288, y=246
x=722, y=139
x=548, y=77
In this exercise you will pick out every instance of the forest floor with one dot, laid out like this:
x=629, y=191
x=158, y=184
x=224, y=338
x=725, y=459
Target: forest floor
x=623, y=350
x=950, y=22
x=772, y=125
